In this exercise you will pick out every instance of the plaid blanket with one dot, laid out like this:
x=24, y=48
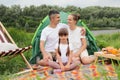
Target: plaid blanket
x=85, y=72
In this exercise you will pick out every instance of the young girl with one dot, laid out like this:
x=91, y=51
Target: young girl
x=63, y=53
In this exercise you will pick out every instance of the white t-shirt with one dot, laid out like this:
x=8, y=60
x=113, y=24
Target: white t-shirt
x=50, y=36
x=75, y=38
x=63, y=50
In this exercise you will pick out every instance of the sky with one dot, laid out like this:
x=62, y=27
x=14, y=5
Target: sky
x=63, y=3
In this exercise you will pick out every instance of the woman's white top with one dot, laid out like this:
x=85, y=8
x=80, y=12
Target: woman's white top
x=75, y=38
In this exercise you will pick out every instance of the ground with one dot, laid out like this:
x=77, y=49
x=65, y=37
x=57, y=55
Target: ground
x=85, y=72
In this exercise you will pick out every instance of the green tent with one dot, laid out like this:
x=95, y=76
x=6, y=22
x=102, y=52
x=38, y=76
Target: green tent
x=91, y=44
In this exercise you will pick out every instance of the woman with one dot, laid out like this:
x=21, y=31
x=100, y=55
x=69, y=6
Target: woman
x=77, y=39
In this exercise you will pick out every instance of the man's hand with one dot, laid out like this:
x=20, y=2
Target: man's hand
x=46, y=57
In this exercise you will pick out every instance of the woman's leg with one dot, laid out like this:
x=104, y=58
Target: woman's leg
x=88, y=59
x=85, y=58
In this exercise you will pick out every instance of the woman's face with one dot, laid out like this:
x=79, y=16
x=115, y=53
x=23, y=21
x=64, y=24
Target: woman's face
x=71, y=21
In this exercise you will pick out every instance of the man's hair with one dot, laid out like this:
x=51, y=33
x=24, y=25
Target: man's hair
x=52, y=12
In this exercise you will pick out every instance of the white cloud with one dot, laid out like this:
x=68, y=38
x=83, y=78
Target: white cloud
x=63, y=3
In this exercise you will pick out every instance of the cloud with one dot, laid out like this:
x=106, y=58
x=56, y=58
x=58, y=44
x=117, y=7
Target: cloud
x=63, y=3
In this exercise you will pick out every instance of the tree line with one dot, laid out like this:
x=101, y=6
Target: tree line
x=30, y=17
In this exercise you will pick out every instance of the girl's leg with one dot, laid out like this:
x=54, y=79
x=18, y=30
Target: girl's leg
x=54, y=65
x=75, y=64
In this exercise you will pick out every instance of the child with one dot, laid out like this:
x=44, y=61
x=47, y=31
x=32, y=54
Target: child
x=64, y=53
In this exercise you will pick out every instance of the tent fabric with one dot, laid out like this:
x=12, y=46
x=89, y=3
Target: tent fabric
x=91, y=47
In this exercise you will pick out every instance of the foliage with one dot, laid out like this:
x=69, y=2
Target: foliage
x=109, y=40
x=31, y=16
x=10, y=66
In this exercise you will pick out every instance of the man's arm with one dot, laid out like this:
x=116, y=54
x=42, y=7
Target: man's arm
x=44, y=53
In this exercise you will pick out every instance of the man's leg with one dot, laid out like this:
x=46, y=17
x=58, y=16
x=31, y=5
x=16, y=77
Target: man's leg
x=54, y=65
x=45, y=62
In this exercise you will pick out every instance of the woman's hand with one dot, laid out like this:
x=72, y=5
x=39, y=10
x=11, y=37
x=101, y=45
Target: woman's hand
x=76, y=55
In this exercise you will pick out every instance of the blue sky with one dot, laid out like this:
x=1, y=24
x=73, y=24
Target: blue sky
x=63, y=3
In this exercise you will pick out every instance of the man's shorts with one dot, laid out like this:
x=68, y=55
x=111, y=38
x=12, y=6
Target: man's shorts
x=52, y=55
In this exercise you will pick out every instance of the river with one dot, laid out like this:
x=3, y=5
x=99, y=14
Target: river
x=98, y=32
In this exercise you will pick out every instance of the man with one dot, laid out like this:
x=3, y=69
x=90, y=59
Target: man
x=49, y=37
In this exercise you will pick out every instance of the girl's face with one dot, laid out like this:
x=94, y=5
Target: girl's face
x=63, y=37
x=71, y=21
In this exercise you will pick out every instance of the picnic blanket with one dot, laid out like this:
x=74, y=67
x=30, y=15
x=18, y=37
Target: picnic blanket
x=85, y=72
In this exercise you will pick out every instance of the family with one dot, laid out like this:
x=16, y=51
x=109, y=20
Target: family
x=63, y=46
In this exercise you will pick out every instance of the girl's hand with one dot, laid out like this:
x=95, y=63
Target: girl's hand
x=67, y=66
x=62, y=68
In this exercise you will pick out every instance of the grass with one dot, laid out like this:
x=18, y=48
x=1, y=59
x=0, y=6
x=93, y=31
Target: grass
x=16, y=64
x=108, y=40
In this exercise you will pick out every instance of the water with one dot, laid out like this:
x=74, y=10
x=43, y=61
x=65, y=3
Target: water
x=98, y=32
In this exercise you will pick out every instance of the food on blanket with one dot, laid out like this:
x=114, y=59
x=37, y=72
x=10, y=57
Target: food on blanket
x=119, y=50
x=110, y=50
x=93, y=66
x=46, y=73
x=118, y=55
x=113, y=51
x=74, y=72
x=105, y=50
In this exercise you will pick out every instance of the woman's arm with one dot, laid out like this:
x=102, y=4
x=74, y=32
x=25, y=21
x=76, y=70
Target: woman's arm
x=84, y=44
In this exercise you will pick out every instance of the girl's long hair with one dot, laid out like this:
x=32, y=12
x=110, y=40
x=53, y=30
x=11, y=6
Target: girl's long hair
x=63, y=32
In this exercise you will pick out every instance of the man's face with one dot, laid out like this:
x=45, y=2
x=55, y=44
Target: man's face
x=56, y=18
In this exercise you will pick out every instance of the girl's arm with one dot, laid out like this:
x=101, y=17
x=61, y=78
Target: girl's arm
x=59, y=58
x=70, y=58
